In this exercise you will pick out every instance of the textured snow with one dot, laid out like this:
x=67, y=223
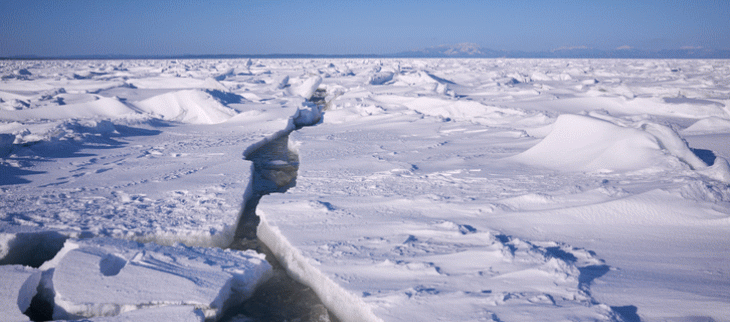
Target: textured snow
x=188, y=106
x=429, y=189
x=18, y=287
x=708, y=125
x=584, y=143
x=119, y=276
x=182, y=313
x=439, y=218
x=405, y=239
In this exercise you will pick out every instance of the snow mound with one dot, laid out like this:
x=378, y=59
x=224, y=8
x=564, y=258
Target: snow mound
x=708, y=125
x=584, y=143
x=187, y=106
x=107, y=277
x=17, y=287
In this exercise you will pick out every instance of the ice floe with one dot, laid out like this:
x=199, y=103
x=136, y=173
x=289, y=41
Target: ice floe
x=18, y=286
x=453, y=189
x=107, y=277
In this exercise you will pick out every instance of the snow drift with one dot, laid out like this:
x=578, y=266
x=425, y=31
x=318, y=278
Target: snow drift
x=585, y=143
x=187, y=106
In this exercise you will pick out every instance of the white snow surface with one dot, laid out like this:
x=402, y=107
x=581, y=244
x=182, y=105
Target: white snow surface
x=431, y=189
x=120, y=276
x=187, y=106
x=181, y=313
x=17, y=287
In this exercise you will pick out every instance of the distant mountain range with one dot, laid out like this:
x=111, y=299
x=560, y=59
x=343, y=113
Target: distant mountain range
x=464, y=50
x=468, y=50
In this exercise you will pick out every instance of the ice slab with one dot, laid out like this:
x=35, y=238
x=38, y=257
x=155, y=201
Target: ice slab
x=17, y=287
x=107, y=277
x=306, y=88
x=383, y=225
x=375, y=260
x=182, y=313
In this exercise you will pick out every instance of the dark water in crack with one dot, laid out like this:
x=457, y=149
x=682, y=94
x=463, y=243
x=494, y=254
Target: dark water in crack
x=280, y=298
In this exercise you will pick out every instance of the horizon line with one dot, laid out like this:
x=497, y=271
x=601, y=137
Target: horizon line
x=563, y=52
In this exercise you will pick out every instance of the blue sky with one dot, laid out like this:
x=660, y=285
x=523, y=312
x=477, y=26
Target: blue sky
x=158, y=27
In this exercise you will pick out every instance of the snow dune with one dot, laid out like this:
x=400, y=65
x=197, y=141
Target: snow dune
x=708, y=125
x=583, y=143
x=188, y=106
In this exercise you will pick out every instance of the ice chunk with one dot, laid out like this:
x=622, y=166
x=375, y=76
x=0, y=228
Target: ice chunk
x=17, y=287
x=381, y=78
x=344, y=304
x=307, y=88
x=282, y=82
x=227, y=72
x=213, y=84
x=181, y=313
x=309, y=114
x=107, y=277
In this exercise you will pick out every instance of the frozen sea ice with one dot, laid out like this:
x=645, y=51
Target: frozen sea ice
x=108, y=277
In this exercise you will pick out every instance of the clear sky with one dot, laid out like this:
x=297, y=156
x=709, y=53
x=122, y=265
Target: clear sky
x=160, y=27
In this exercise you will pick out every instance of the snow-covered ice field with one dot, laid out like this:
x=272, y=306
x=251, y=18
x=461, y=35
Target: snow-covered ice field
x=427, y=189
